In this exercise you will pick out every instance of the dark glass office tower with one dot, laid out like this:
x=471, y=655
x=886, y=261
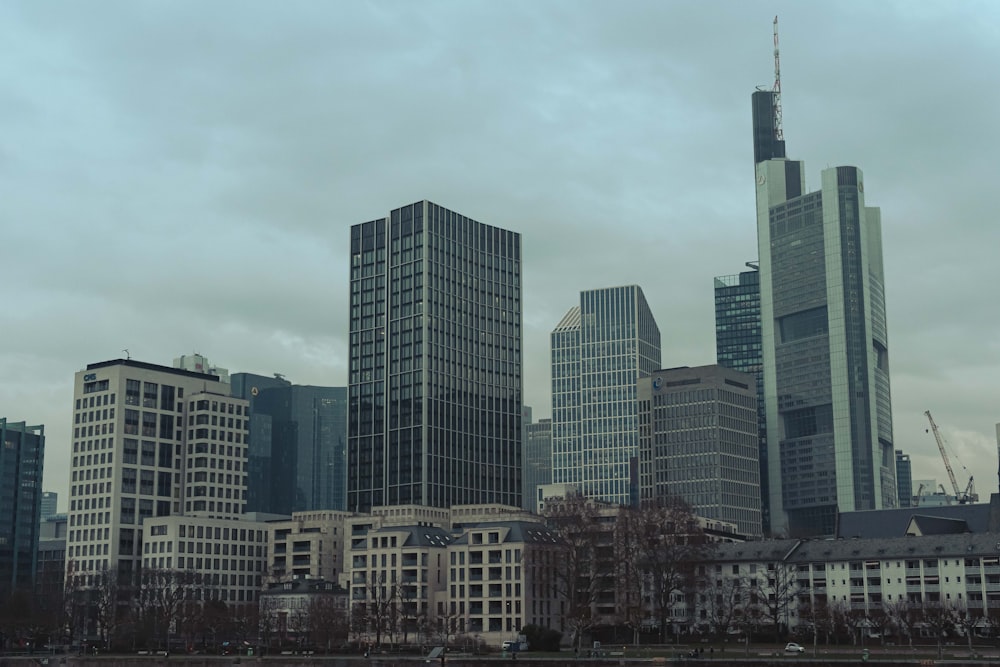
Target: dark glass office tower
x=22, y=453
x=537, y=461
x=825, y=348
x=738, y=346
x=297, y=456
x=435, y=361
x=904, y=479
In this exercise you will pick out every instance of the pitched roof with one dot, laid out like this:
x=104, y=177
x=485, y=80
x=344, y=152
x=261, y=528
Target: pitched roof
x=893, y=523
x=935, y=525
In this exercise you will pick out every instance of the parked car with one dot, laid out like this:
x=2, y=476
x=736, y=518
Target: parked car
x=792, y=647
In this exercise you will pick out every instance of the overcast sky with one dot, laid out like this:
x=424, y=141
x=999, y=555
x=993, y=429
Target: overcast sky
x=180, y=177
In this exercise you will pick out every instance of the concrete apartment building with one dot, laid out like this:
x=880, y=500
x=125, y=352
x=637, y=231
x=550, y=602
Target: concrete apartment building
x=225, y=558
x=309, y=545
x=874, y=580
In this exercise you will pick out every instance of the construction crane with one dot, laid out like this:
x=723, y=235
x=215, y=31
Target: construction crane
x=963, y=497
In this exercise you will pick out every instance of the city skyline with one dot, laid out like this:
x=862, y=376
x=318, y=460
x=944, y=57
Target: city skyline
x=615, y=140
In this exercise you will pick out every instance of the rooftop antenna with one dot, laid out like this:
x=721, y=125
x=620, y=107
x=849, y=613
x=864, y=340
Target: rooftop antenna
x=127, y=355
x=778, y=133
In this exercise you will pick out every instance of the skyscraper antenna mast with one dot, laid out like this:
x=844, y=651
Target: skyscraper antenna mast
x=778, y=133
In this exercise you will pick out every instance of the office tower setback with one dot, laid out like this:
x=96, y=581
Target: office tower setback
x=435, y=361
x=599, y=350
x=148, y=441
x=738, y=346
x=297, y=458
x=825, y=346
x=699, y=442
x=537, y=461
x=200, y=364
x=50, y=504
x=22, y=456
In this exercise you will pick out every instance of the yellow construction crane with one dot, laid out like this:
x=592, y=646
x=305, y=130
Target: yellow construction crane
x=969, y=494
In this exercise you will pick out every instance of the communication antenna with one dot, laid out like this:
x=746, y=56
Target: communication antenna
x=127, y=355
x=778, y=133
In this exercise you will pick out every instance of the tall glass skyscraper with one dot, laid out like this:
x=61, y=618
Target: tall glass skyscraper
x=825, y=346
x=22, y=453
x=904, y=479
x=435, y=390
x=738, y=346
x=599, y=351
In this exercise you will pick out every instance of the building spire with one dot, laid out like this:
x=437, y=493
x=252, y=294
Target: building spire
x=778, y=133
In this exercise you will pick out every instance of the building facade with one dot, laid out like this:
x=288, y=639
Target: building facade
x=50, y=504
x=148, y=441
x=825, y=347
x=266, y=465
x=435, y=391
x=217, y=559
x=537, y=461
x=22, y=458
x=738, y=346
x=599, y=350
x=698, y=441
x=310, y=544
x=904, y=479
x=298, y=444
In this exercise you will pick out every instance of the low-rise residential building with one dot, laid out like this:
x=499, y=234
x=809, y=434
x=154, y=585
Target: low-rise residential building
x=310, y=544
x=500, y=580
x=304, y=611
x=397, y=573
x=226, y=558
x=894, y=585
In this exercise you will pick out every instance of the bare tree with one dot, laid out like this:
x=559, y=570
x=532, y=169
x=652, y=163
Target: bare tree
x=162, y=595
x=780, y=587
x=630, y=598
x=326, y=623
x=576, y=575
x=939, y=619
x=381, y=612
x=749, y=615
x=903, y=616
x=724, y=597
x=968, y=618
x=670, y=543
x=107, y=595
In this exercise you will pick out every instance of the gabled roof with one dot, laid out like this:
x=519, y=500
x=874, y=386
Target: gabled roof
x=928, y=546
x=766, y=550
x=936, y=525
x=894, y=522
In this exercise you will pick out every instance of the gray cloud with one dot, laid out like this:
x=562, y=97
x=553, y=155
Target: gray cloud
x=181, y=176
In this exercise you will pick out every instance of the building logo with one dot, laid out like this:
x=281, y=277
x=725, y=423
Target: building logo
x=89, y=376
x=657, y=383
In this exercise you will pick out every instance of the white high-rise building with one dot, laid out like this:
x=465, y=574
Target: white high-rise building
x=599, y=351
x=148, y=441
